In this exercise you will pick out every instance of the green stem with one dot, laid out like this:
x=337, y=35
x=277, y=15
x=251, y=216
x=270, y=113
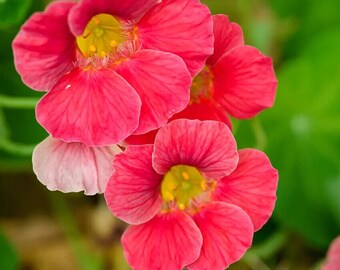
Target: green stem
x=16, y=148
x=272, y=246
x=18, y=102
x=85, y=259
x=260, y=135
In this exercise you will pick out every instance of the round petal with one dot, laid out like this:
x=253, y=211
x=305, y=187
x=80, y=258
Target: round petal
x=182, y=27
x=227, y=234
x=162, y=82
x=227, y=36
x=132, y=193
x=82, y=13
x=95, y=107
x=44, y=49
x=73, y=167
x=167, y=242
x=204, y=110
x=333, y=256
x=252, y=186
x=244, y=82
x=207, y=145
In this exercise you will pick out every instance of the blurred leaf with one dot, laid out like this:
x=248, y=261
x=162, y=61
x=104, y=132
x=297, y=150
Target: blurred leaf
x=8, y=257
x=304, y=139
x=13, y=11
x=311, y=18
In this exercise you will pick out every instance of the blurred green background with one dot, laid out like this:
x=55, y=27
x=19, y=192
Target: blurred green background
x=301, y=134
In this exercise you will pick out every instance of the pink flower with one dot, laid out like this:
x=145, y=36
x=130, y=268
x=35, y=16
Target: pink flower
x=333, y=256
x=193, y=200
x=236, y=80
x=73, y=167
x=112, y=68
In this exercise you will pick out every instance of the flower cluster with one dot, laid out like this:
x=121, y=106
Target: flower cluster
x=139, y=95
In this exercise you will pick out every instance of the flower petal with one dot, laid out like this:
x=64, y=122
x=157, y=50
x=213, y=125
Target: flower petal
x=167, y=242
x=132, y=193
x=333, y=256
x=182, y=27
x=147, y=138
x=162, y=82
x=204, y=110
x=244, y=82
x=227, y=36
x=44, y=49
x=252, y=186
x=227, y=234
x=207, y=145
x=82, y=13
x=73, y=167
x=95, y=107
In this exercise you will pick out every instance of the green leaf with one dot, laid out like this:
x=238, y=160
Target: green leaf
x=303, y=135
x=8, y=257
x=13, y=12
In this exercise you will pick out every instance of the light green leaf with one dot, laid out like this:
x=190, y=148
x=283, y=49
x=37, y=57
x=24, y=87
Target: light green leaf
x=304, y=139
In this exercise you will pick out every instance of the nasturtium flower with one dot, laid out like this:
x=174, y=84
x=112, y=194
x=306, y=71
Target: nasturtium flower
x=333, y=256
x=73, y=167
x=237, y=80
x=193, y=200
x=112, y=67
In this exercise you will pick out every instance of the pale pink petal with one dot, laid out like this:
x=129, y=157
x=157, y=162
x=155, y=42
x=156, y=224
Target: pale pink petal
x=333, y=256
x=82, y=13
x=182, y=27
x=132, y=193
x=252, y=186
x=169, y=241
x=227, y=234
x=73, y=167
x=227, y=36
x=44, y=49
x=162, y=82
x=204, y=110
x=207, y=145
x=96, y=107
x=244, y=82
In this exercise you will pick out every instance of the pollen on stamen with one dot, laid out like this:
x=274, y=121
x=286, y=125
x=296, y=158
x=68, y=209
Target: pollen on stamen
x=181, y=206
x=185, y=175
x=92, y=48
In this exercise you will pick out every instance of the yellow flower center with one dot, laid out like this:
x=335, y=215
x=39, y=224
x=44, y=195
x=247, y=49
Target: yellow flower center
x=102, y=34
x=181, y=184
x=202, y=85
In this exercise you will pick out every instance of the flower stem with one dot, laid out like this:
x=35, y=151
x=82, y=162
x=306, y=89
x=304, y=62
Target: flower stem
x=260, y=135
x=18, y=102
x=85, y=259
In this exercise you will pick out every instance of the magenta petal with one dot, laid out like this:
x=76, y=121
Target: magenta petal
x=182, y=27
x=244, y=82
x=96, y=107
x=73, y=167
x=227, y=234
x=132, y=193
x=167, y=242
x=44, y=49
x=227, y=36
x=82, y=13
x=162, y=82
x=207, y=145
x=252, y=186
